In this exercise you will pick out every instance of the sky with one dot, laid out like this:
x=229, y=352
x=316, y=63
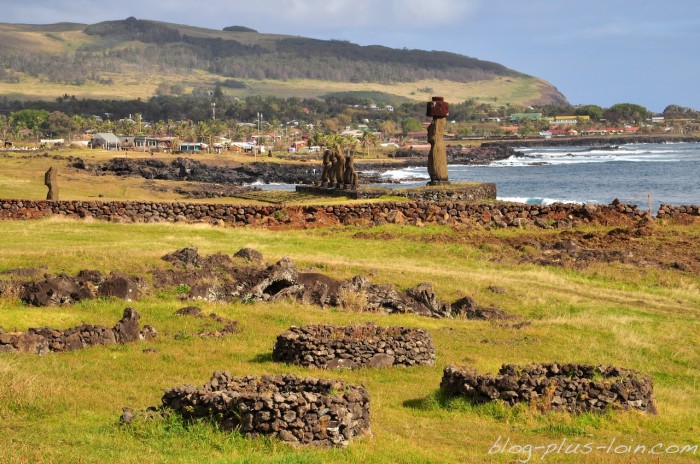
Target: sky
x=598, y=52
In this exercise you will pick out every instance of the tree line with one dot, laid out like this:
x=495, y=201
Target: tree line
x=194, y=115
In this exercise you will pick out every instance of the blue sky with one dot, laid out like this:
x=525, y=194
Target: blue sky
x=595, y=52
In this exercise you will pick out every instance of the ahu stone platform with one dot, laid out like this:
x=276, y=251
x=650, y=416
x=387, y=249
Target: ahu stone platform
x=454, y=191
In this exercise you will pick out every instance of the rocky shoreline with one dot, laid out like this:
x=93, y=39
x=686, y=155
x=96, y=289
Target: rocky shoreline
x=235, y=175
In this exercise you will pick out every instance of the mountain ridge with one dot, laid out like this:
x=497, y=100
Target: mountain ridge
x=76, y=54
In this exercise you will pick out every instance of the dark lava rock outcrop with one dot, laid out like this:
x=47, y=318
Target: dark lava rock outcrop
x=88, y=284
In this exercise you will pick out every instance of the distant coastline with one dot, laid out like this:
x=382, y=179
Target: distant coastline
x=591, y=141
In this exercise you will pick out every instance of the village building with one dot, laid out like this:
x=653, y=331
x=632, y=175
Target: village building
x=143, y=143
x=193, y=147
x=105, y=140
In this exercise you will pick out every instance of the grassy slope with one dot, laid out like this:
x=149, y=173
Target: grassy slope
x=15, y=38
x=22, y=175
x=57, y=408
x=128, y=85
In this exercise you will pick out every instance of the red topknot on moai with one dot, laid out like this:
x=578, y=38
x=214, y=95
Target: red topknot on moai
x=437, y=158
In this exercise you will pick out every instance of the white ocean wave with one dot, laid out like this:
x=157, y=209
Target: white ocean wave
x=540, y=201
x=407, y=173
x=537, y=159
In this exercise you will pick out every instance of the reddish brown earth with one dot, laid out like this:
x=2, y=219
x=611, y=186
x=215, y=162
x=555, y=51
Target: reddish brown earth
x=644, y=244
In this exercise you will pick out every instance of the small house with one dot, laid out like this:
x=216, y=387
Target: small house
x=105, y=140
x=193, y=147
x=142, y=143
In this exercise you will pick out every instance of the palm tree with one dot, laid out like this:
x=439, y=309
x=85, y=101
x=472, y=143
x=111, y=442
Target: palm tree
x=203, y=132
x=158, y=129
x=184, y=131
x=368, y=139
x=333, y=142
x=317, y=138
x=4, y=126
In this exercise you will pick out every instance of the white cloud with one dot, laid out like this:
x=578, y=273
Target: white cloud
x=343, y=14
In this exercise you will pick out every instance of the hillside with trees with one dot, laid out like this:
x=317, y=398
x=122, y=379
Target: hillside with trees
x=93, y=54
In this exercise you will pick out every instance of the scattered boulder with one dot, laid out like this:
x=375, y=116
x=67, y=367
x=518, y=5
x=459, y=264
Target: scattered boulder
x=55, y=291
x=185, y=257
x=423, y=295
x=319, y=289
x=120, y=286
x=379, y=298
x=93, y=276
x=230, y=327
x=249, y=254
x=466, y=307
x=189, y=311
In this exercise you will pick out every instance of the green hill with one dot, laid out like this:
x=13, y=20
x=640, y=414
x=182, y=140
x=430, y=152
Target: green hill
x=131, y=58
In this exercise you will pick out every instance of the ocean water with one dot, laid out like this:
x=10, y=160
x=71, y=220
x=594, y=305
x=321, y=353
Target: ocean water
x=669, y=172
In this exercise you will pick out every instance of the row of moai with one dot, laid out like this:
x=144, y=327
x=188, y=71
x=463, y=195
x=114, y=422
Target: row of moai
x=338, y=170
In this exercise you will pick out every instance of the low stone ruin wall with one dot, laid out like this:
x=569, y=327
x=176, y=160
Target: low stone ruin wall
x=327, y=346
x=419, y=211
x=43, y=340
x=670, y=211
x=293, y=409
x=569, y=387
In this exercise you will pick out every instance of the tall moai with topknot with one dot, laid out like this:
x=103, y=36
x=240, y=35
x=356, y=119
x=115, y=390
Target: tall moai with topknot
x=437, y=158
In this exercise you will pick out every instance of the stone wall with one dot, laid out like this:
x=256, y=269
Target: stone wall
x=43, y=340
x=414, y=212
x=569, y=387
x=458, y=191
x=670, y=211
x=327, y=346
x=293, y=409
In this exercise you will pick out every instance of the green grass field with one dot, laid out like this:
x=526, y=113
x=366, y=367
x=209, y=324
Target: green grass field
x=65, y=407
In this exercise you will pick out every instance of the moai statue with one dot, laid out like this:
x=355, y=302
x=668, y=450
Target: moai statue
x=327, y=168
x=50, y=182
x=339, y=170
x=350, y=176
x=437, y=158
